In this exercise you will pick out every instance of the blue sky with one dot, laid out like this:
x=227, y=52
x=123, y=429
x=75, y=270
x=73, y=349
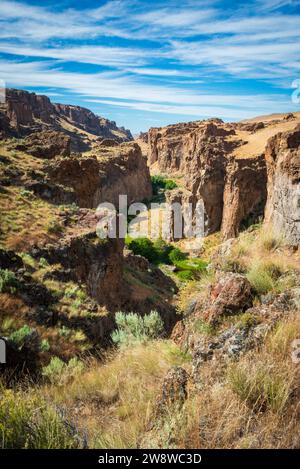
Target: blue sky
x=150, y=63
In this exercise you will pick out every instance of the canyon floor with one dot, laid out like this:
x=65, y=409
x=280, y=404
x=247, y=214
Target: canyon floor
x=146, y=343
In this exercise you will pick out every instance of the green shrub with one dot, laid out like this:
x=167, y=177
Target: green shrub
x=43, y=262
x=157, y=252
x=263, y=276
x=185, y=275
x=8, y=281
x=20, y=336
x=190, y=269
x=162, y=251
x=176, y=255
x=133, y=328
x=160, y=183
x=45, y=346
x=59, y=372
x=142, y=247
x=29, y=422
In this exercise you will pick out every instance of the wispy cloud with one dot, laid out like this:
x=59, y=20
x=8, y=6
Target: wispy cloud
x=163, y=57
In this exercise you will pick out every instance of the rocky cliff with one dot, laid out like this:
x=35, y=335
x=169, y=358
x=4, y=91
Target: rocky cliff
x=103, y=178
x=26, y=112
x=283, y=205
x=222, y=165
x=244, y=194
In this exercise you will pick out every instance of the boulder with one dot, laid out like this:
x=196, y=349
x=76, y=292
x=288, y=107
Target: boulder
x=173, y=390
x=230, y=295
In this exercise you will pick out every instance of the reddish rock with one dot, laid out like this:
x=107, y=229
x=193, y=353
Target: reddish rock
x=179, y=333
x=245, y=194
x=96, y=180
x=230, y=295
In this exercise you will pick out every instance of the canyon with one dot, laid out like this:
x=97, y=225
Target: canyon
x=226, y=165
x=152, y=328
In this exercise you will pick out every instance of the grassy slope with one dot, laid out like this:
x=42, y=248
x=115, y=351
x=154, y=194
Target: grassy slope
x=253, y=402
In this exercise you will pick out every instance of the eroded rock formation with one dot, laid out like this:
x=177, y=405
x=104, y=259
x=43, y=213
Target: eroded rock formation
x=46, y=144
x=197, y=150
x=95, y=180
x=223, y=165
x=25, y=112
x=245, y=194
x=283, y=204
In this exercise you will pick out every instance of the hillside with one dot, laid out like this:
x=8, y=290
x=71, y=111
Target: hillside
x=25, y=112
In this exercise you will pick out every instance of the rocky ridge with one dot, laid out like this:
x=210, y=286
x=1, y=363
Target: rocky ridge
x=24, y=113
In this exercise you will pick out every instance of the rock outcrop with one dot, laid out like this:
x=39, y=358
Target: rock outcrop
x=25, y=112
x=245, y=194
x=283, y=204
x=97, y=263
x=230, y=295
x=86, y=120
x=173, y=390
x=46, y=144
x=222, y=165
x=197, y=150
x=96, y=180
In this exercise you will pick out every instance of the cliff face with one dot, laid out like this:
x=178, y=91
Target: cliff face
x=200, y=151
x=245, y=193
x=283, y=204
x=223, y=165
x=25, y=112
x=86, y=120
x=94, y=180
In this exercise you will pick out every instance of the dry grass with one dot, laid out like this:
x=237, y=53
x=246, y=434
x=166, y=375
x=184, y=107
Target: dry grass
x=113, y=402
x=252, y=403
x=264, y=258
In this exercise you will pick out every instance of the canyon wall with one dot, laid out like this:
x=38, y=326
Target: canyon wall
x=245, y=193
x=25, y=112
x=228, y=166
x=283, y=205
x=231, y=190
x=102, y=179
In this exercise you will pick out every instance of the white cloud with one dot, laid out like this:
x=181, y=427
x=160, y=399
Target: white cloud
x=128, y=92
x=194, y=39
x=97, y=55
